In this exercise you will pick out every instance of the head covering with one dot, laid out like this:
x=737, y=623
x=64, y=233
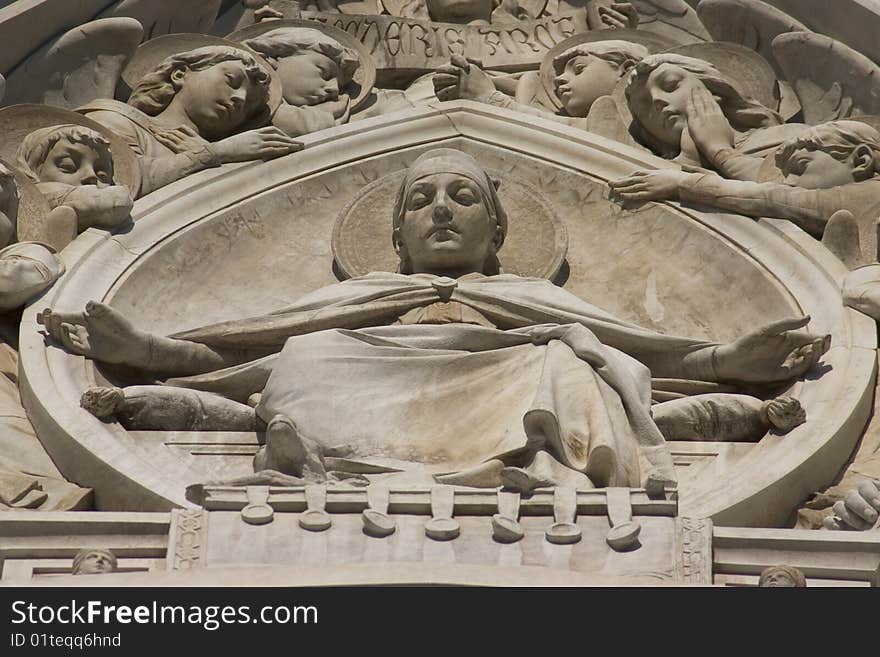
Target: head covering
x=793, y=573
x=448, y=160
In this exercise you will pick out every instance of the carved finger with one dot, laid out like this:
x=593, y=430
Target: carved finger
x=447, y=69
x=783, y=325
x=612, y=21
x=857, y=504
x=870, y=492
x=444, y=79
x=848, y=517
x=637, y=196
x=447, y=93
x=460, y=62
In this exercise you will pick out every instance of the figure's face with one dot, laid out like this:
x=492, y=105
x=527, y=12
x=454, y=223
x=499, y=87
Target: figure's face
x=308, y=78
x=446, y=226
x=584, y=79
x=459, y=11
x=779, y=579
x=95, y=563
x=216, y=99
x=662, y=106
x=77, y=164
x=8, y=209
x=811, y=168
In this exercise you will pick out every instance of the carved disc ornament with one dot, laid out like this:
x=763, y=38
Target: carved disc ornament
x=18, y=121
x=364, y=77
x=535, y=245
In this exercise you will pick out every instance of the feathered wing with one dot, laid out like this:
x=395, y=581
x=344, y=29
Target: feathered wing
x=750, y=23
x=831, y=80
x=81, y=65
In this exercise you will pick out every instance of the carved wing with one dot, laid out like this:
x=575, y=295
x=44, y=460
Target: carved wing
x=832, y=81
x=672, y=18
x=751, y=23
x=167, y=16
x=79, y=66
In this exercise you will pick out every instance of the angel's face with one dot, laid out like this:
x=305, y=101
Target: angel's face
x=75, y=163
x=217, y=99
x=584, y=79
x=811, y=168
x=308, y=78
x=661, y=106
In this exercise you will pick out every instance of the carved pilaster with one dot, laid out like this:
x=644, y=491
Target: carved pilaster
x=693, y=551
x=187, y=539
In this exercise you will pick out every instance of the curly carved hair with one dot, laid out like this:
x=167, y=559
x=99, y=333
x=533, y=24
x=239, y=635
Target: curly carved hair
x=155, y=91
x=290, y=41
x=743, y=112
x=35, y=148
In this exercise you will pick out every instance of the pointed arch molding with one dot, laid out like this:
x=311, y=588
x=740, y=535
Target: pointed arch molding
x=211, y=244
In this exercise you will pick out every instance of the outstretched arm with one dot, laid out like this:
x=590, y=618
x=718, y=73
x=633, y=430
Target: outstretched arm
x=808, y=208
x=104, y=335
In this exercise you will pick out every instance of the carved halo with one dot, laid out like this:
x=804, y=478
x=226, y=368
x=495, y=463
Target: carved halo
x=32, y=207
x=18, y=121
x=535, y=245
x=653, y=42
x=743, y=67
x=364, y=77
x=153, y=52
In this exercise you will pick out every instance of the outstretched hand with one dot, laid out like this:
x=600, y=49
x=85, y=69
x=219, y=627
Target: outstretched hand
x=657, y=185
x=775, y=353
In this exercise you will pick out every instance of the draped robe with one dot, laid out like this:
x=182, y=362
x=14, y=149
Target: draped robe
x=372, y=371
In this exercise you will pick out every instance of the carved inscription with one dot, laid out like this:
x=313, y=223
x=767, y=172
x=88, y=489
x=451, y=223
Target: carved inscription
x=403, y=43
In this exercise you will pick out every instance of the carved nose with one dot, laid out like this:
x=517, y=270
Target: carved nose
x=442, y=214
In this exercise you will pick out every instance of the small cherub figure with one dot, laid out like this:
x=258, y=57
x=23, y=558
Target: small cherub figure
x=827, y=168
x=316, y=74
x=585, y=73
x=72, y=166
x=94, y=561
x=782, y=577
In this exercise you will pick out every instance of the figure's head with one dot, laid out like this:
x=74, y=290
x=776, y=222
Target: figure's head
x=589, y=70
x=220, y=88
x=782, y=576
x=447, y=216
x=69, y=154
x=313, y=68
x=8, y=205
x=461, y=11
x=658, y=92
x=830, y=154
x=94, y=561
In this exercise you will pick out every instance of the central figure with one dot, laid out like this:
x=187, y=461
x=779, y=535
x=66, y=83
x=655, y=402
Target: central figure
x=448, y=369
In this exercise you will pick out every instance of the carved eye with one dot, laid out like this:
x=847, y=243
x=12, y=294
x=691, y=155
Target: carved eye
x=67, y=165
x=465, y=196
x=418, y=200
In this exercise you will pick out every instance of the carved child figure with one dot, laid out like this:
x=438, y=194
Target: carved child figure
x=72, y=166
x=316, y=74
x=192, y=111
x=586, y=74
